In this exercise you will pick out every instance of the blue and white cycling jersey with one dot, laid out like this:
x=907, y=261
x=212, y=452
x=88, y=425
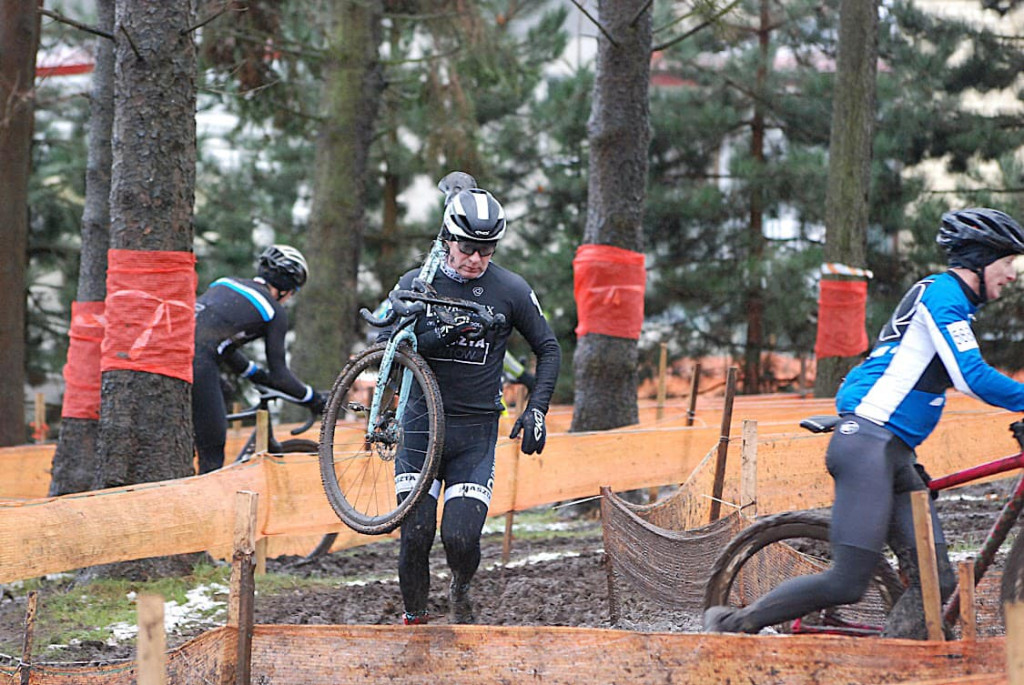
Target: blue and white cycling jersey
x=926, y=347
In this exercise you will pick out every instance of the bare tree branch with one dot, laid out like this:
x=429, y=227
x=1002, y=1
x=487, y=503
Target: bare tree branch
x=130, y=41
x=78, y=25
x=595, y=22
x=704, y=24
x=640, y=12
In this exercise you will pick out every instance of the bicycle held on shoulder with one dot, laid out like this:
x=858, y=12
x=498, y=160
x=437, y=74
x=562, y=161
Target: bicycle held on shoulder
x=384, y=420
x=785, y=545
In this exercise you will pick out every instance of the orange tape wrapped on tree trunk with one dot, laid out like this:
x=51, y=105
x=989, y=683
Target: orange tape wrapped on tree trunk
x=82, y=371
x=841, y=311
x=150, y=312
x=609, y=283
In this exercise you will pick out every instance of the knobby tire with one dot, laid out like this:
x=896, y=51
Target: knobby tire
x=357, y=464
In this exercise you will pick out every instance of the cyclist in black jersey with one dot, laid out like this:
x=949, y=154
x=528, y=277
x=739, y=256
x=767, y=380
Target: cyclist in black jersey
x=231, y=313
x=890, y=403
x=469, y=373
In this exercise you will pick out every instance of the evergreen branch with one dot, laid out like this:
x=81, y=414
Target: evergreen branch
x=699, y=27
x=595, y=22
x=57, y=16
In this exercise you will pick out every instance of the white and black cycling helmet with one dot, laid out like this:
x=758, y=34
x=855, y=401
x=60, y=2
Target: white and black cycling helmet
x=475, y=215
x=974, y=238
x=283, y=267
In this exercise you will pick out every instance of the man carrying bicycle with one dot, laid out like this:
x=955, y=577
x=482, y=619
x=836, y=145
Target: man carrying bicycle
x=469, y=374
x=231, y=313
x=889, y=404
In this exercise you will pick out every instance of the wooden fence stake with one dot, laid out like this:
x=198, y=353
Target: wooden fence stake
x=25, y=668
x=926, y=564
x=662, y=372
x=748, y=472
x=506, y=542
x=236, y=425
x=261, y=556
x=968, y=613
x=40, y=418
x=652, y=493
x=723, y=445
x=243, y=583
x=262, y=445
x=152, y=641
x=1014, y=613
x=691, y=412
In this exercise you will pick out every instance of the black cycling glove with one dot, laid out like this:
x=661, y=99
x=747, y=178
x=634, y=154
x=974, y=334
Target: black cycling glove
x=535, y=432
x=318, y=402
x=436, y=335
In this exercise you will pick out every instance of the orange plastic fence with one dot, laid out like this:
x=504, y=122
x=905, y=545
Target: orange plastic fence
x=336, y=655
x=39, y=536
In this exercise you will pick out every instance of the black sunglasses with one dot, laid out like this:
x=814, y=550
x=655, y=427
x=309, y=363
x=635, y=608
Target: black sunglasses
x=468, y=248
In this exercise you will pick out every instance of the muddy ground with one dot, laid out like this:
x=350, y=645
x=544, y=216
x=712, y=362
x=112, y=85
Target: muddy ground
x=555, y=577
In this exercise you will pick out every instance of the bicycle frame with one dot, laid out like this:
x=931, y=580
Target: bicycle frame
x=402, y=333
x=1000, y=529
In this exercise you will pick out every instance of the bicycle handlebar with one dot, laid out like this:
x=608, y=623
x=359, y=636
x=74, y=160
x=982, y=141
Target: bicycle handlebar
x=409, y=304
x=268, y=394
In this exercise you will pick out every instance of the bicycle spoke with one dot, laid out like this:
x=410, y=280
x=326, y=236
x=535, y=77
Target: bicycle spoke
x=360, y=462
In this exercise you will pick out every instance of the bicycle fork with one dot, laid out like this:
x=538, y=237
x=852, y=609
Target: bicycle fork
x=376, y=430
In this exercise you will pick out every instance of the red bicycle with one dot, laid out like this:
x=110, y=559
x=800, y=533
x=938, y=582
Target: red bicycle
x=784, y=545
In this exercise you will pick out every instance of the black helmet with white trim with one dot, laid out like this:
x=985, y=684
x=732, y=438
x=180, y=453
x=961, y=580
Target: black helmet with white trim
x=474, y=214
x=283, y=267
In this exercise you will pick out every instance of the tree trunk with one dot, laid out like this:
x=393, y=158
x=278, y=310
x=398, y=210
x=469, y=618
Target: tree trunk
x=752, y=370
x=75, y=462
x=605, y=367
x=849, y=168
x=146, y=418
x=353, y=80
x=19, y=38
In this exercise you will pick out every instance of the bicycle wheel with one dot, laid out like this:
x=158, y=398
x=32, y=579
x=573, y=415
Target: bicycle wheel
x=360, y=464
x=300, y=446
x=783, y=546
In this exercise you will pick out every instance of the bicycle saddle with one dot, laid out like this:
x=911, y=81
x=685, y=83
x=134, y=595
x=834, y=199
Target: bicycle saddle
x=821, y=424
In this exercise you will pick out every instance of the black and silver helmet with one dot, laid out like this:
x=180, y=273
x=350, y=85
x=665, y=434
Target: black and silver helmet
x=474, y=214
x=283, y=267
x=964, y=231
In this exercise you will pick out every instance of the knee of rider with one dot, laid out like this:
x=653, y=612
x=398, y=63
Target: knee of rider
x=458, y=542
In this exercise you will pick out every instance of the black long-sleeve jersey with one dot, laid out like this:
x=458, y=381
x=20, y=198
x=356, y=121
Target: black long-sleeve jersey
x=469, y=371
x=236, y=311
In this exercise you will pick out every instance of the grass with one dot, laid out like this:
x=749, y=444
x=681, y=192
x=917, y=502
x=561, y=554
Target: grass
x=104, y=610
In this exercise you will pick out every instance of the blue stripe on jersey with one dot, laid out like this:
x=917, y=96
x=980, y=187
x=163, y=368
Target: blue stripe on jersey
x=255, y=297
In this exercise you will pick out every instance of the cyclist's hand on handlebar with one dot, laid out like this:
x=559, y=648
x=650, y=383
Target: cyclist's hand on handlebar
x=535, y=432
x=437, y=335
x=318, y=402
x=1017, y=428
